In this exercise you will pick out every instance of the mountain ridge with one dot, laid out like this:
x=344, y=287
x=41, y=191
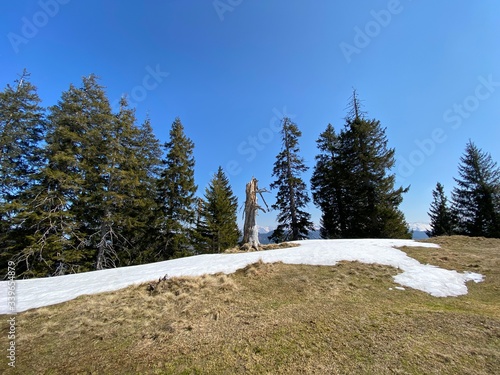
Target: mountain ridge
x=418, y=232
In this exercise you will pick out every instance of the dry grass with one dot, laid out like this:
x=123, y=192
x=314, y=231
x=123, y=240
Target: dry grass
x=245, y=248
x=277, y=318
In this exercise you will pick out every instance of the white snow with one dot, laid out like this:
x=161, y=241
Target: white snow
x=436, y=281
x=264, y=230
x=421, y=227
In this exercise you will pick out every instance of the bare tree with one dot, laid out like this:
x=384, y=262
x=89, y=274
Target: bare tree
x=250, y=233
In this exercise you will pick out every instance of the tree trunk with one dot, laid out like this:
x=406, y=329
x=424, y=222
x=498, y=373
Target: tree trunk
x=250, y=233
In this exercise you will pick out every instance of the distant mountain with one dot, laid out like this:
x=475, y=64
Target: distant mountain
x=417, y=228
x=269, y=228
x=420, y=227
x=264, y=230
x=263, y=237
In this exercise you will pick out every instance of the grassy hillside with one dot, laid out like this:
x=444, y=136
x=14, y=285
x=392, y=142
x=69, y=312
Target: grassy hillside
x=276, y=318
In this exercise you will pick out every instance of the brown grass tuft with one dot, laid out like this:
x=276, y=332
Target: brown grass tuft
x=245, y=248
x=259, y=269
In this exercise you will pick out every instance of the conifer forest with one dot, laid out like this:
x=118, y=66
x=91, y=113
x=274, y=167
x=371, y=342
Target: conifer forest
x=86, y=188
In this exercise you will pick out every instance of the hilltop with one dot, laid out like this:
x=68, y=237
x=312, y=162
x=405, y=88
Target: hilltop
x=347, y=317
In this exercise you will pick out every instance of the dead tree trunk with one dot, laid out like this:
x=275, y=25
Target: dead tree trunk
x=250, y=232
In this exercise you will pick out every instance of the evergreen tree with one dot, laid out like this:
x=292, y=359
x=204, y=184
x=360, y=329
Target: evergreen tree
x=54, y=246
x=22, y=129
x=105, y=165
x=476, y=199
x=278, y=235
x=217, y=226
x=149, y=153
x=147, y=150
x=96, y=192
x=442, y=221
x=328, y=185
x=121, y=186
x=176, y=200
x=352, y=183
x=201, y=234
x=374, y=200
x=292, y=195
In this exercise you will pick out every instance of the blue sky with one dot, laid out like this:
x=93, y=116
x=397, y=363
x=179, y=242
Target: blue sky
x=230, y=69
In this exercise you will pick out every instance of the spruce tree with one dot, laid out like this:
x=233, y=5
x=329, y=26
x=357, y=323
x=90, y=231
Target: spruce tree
x=217, y=226
x=105, y=165
x=128, y=169
x=176, y=196
x=55, y=244
x=327, y=185
x=374, y=199
x=279, y=235
x=120, y=165
x=352, y=183
x=442, y=221
x=95, y=193
x=22, y=129
x=476, y=199
x=291, y=197
x=147, y=150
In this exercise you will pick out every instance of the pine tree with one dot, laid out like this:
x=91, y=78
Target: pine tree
x=96, y=191
x=22, y=129
x=374, y=200
x=201, y=235
x=127, y=171
x=292, y=195
x=105, y=164
x=476, y=199
x=147, y=150
x=54, y=245
x=217, y=226
x=327, y=184
x=442, y=221
x=352, y=183
x=176, y=200
x=278, y=235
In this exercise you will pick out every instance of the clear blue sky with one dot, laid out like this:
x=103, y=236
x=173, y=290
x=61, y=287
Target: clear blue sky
x=429, y=71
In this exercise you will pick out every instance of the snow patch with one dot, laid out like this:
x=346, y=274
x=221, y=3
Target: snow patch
x=436, y=281
x=420, y=227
